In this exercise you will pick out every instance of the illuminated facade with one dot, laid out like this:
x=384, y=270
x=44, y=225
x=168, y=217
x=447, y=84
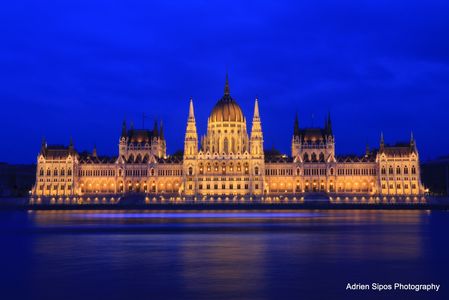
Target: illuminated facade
x=227, y=162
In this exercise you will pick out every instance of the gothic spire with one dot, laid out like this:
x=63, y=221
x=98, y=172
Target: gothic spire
x=71, y=144
x=161, y=130
x=191, y=111
x=155, y=129
x=412, y=140
x=296, y=126
x=124, y=128
x=256, y=109
x=256, y=142
x=94, y=151
x=191, y=136
x=382, y=142
x=226, y=89
x=329, y=124
x=43, y=144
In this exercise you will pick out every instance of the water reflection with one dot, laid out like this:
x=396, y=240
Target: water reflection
x=239, y=254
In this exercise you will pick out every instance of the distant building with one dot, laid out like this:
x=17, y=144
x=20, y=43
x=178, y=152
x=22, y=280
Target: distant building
x=229, y=161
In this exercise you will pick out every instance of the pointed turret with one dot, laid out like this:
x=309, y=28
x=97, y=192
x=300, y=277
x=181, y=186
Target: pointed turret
x=155, y=129
x=43, y=145
x=412, y=141
x=94, y=151
x=329, y=124
x=382, y=142
x=367, y=150
x=124, y=128
x=71, y=144
x=191, y=137
x=296, y=126
x=256, y=132
x=161, y=131
x=191, y=111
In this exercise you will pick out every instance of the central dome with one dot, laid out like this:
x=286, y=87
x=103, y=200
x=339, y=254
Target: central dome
x=226, y=109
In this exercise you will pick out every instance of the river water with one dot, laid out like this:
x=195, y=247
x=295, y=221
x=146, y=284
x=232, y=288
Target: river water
x=221, y=254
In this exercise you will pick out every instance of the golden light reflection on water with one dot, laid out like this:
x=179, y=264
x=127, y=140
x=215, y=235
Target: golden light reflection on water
x=219, y=252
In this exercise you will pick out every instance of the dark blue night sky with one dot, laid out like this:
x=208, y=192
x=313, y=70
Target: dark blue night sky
x=77, y=68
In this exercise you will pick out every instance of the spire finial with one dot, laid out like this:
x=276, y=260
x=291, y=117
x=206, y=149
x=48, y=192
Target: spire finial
x=44, y=143
x=191, y=111
x=94, y=151
x=226, y=89
x=296, y=126
x=256, y=108
x=155, y=129
x=161, y=130
x=329, y=123
x=124, y=128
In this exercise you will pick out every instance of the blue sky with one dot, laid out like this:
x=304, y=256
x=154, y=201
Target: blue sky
x=78, y=68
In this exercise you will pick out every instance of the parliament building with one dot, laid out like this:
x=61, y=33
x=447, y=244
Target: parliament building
x=228, y=163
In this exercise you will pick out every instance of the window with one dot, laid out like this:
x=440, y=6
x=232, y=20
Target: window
x=398, y=170
x=69, y=172
x=306, y=157
x=190, y=171
x=413, y=170
x=390, y=170
x=313, y=157
x=321, y=156
x=256, y=170
x=55, y=172
x=406, y=170
x=48, y=172
x=332, y=171
x=383, y=171
x=41, y=172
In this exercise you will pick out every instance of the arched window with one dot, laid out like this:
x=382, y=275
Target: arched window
x=313, y=156
x=62, y=172
x=152, y=172
x=383, y=171
x=321, y=157
x=190, y=171
x=246, y=169
x=41, y=172
x=256, y=170
x=332, y=171
x=298, y=171
x=306, y=157
x=390, y=170
x=55, y=172
x=225, y=145
x=48, y=172
x=223, y=168
x=201, y=169
x=413, y=170
x=405, y=170
x=398, y=170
